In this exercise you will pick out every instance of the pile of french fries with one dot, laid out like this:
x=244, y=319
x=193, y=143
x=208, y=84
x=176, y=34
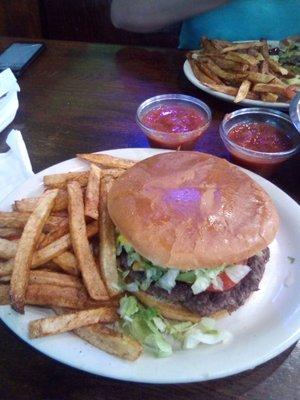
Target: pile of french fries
x=58, y=250
x=243, y=70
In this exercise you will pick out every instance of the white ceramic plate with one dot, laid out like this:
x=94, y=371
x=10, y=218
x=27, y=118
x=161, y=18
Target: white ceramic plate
x=264, y=327
x=247, y=102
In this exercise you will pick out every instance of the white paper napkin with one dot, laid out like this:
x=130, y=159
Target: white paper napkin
x=15, y=165
x=8, y=98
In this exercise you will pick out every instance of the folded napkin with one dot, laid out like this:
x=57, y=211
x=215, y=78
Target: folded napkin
x=15, y=165
x=8, y=98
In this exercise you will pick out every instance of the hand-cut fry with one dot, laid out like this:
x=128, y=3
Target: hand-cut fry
x=60, y=180
x=259, y=77
x=205, y=68
x=8, y=248
x=232, y=91
x=29, y=204
x=6, y=267
x=271, y=97
x=59, y=246
x=67, y=262
x=50, y=295
x=270, y=88
x=55, y=222
x=53, y=235
x=4, y=295
x=107, y=245
x=54, y=278
x=276, y=67
x=112, y=172
x=86, y=262
x=242, y=58
x=10, y=232
x=92, y=193
x=107, y=161
x=230, y=65
x=13, y=219
x=201, y=76
x=112, y=342
x=25, y=250
x=242, y=46
x=108, y=340
x=5, y=279
x=70, y=321
x=243, y=91
x=225, y=74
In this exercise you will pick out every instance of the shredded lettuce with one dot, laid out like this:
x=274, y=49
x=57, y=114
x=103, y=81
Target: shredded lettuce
x=161, y=336
x=145, y=325
x=166, y=278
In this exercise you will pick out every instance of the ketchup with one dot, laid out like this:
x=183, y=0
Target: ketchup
x=175, y=125
x=260, y=137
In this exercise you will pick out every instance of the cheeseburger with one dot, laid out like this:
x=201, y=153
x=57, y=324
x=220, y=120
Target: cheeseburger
x=193, y=233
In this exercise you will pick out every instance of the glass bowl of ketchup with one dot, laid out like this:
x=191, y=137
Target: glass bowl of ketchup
x=259, y=139
x=173, y=121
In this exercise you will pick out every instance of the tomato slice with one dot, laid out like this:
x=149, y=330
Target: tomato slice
x=227, y=283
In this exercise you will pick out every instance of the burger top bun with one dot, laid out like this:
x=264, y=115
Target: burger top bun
x=189, y=210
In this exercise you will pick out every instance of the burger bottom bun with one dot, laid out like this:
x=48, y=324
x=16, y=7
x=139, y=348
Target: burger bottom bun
x=173, y=311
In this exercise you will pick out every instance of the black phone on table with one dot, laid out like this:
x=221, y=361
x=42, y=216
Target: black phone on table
x=18, y=56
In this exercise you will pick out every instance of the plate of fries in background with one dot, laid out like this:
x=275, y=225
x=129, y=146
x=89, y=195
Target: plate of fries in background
x=242, y=72
x=55, y=227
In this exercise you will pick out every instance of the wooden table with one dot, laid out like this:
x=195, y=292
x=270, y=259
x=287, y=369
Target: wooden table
x=80, y=97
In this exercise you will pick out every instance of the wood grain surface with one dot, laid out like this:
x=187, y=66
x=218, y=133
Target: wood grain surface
x=79, y=98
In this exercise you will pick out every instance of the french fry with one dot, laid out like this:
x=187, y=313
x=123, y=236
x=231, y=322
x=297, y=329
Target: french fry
x=54, y=278
x=242, y=46
x=4, y=295
x=8, y=248
x=106, y=161
x=232, y=91
x=230, y=65
x=73, y=320
x=264, y=68
x=271, y=97
x=243, y=91
x=58, y=247
x=60, y=180
x=258, y=77
x=68, y=263
x=276, y=67
x=108, y=340
x=25, y=250
x=92, y=193
x=201, y=76
x=86, y=262
x=270, y=88
x=55, y=222
x=209, y=72
x=29, y=204
x=107, y=245
x=242, y=58
x=10, y=232
x=225, y=74
x=13, y=219
x=50, y=237
x=6, y=267
x=207, y=45
x=5, y=279
x=58, y=296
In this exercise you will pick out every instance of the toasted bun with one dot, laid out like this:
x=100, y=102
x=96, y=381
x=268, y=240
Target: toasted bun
x=189, y=210
x=173, y=310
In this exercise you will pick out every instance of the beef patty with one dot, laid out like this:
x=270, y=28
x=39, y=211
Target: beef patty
x=207, y=303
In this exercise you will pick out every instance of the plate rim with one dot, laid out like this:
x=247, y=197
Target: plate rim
x=129, y=378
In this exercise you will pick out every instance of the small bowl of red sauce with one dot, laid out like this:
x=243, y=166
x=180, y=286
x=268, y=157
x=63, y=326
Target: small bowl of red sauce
x=173, y=121
x=259, y=139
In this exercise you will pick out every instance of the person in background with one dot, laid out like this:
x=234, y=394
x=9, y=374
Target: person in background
x=216, y=19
